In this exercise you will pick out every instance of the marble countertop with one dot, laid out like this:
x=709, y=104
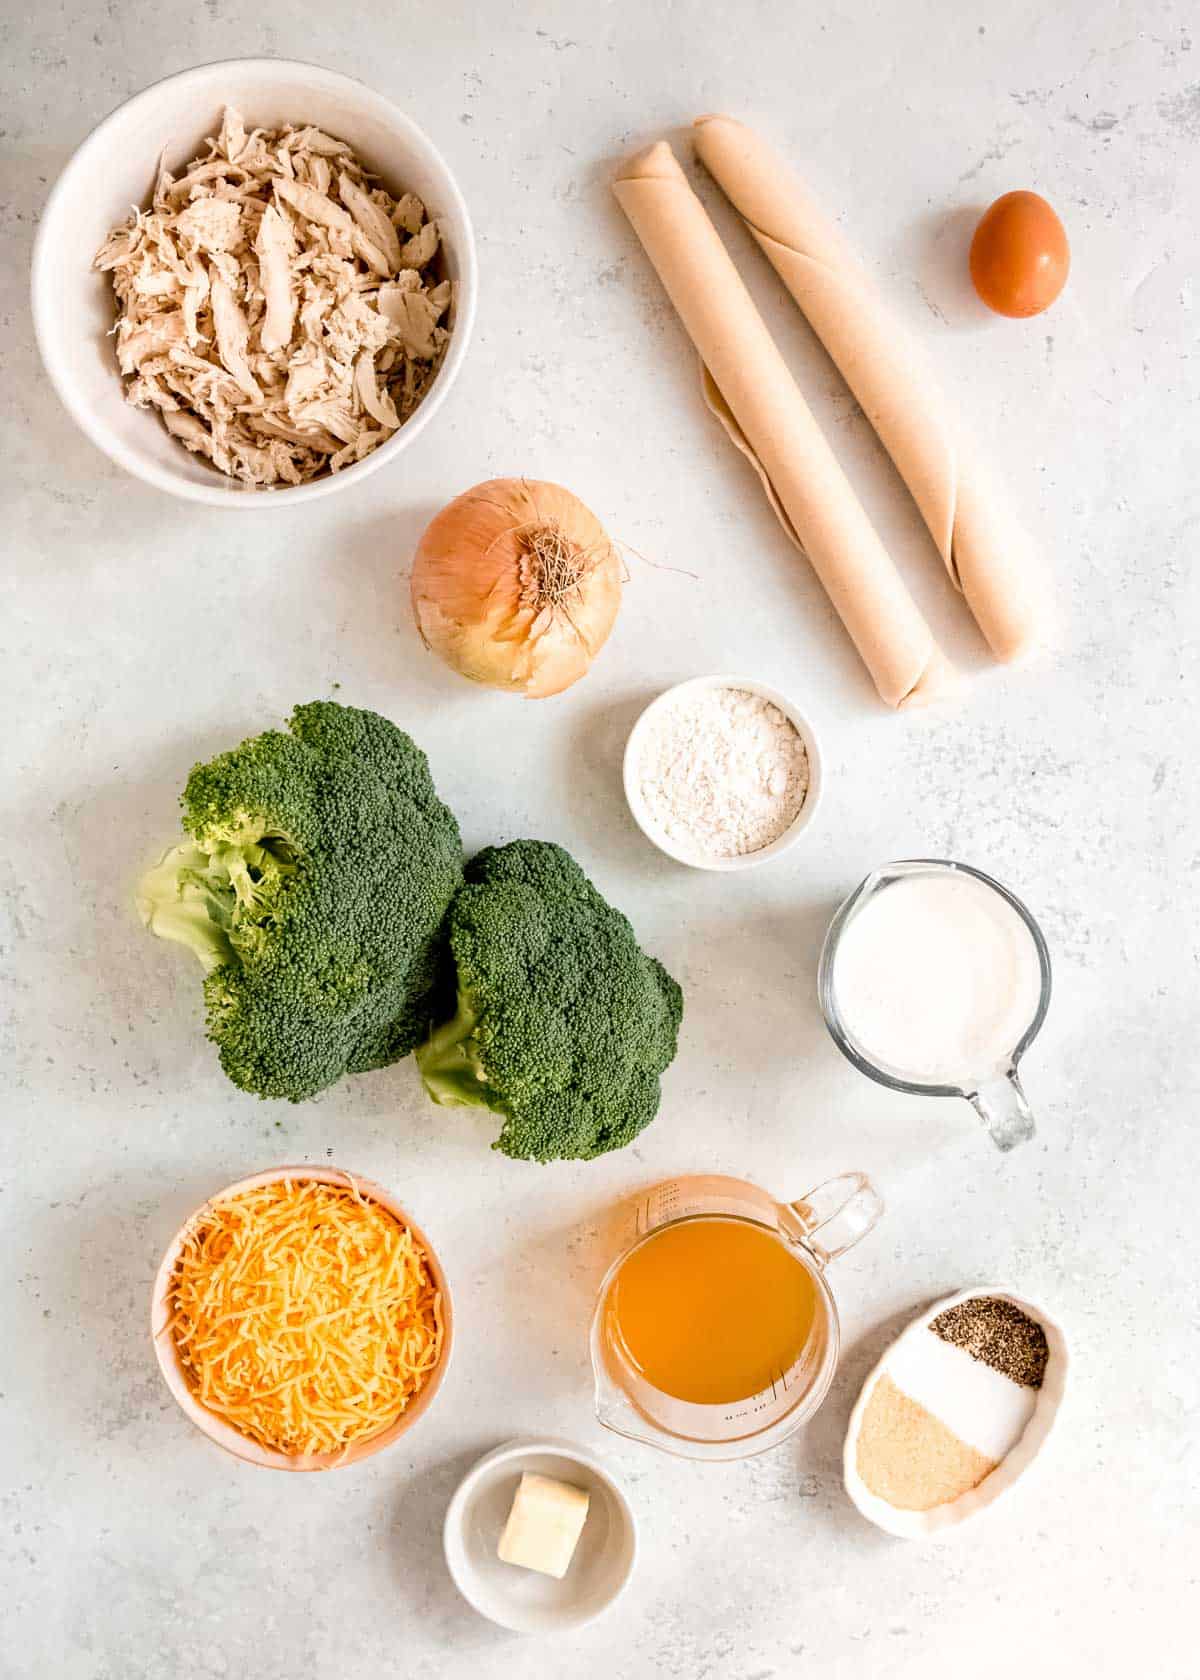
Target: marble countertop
x=140, y=634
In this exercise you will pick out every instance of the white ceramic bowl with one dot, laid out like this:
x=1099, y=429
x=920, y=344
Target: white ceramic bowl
x=641, y=812
x=224, y=1434
x=938, y=1523
x=518, y=1598
x=113, y=171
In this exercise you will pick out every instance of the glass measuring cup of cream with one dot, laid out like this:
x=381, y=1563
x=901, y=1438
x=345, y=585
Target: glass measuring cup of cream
x=935, y=979
x=715, y=1333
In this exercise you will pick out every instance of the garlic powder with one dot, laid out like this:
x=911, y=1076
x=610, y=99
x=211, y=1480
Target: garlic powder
x=722, y=772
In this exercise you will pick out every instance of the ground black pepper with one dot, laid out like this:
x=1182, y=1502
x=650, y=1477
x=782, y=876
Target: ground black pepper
x=999, y=1334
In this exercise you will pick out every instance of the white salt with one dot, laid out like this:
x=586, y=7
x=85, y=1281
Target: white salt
x=976, y=1402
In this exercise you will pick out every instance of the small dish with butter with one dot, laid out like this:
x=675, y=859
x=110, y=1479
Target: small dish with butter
x=527, y=1511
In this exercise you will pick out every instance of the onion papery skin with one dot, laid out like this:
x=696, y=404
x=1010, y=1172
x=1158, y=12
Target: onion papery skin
x=485, y=602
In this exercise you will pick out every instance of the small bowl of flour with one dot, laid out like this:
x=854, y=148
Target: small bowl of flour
x=722, y=773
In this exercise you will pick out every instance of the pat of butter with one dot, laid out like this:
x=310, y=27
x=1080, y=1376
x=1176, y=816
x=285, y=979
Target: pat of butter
x=544, y=1525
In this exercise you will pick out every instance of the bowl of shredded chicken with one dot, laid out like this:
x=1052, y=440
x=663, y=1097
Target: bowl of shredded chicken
x=287, y=305
x=301, y=1319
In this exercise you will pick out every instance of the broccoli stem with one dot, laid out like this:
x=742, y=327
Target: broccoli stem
x=199, y=892
x=174, y=905
x=451, y=1073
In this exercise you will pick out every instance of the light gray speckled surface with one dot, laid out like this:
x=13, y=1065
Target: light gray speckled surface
x=139, y=634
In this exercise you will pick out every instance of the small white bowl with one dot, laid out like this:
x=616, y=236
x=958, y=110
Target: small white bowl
x=113, y=171
x=521, y=1599
x=216, y=1428
x=937, y=1523
x=746, y=860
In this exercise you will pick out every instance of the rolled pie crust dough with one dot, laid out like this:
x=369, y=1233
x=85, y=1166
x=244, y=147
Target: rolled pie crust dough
x=751, y=388
x=985, y=551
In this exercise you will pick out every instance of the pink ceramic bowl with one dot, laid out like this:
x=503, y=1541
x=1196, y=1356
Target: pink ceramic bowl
x=224, y=1434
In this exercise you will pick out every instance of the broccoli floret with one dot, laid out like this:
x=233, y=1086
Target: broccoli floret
x=563, y=1023
x=313, y=886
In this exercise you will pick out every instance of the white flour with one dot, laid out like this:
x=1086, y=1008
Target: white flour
x=722, y=772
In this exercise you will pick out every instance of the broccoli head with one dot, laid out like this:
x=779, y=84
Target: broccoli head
x=563, y=1023
x=313, y=884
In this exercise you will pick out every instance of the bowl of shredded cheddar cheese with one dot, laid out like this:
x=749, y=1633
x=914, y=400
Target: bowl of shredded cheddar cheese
x=301, y=1319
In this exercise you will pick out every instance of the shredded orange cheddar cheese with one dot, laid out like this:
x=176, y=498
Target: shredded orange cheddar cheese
x=304, y=1314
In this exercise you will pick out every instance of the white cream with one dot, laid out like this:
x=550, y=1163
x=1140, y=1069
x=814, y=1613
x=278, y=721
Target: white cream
x=937, y=979
x=980, y=1405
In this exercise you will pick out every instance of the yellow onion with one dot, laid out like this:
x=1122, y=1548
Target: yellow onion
x=516, y=584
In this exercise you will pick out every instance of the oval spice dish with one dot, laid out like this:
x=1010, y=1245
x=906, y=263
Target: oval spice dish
x=952, y=1417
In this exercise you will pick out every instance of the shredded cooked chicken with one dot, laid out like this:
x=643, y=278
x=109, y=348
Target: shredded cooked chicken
x=275, y=304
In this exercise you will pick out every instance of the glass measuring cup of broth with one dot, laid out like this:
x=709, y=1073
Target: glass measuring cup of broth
x=715, y=1333
x=935, y=979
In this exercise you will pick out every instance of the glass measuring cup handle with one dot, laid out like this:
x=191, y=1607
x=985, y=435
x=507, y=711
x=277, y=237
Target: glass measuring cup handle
x=832, y=1218
x=1002, y=1106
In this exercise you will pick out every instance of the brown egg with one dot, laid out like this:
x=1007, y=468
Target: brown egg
x=1019, y=255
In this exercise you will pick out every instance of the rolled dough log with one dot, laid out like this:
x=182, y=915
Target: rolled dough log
x=747, y=378
x=984, y=549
